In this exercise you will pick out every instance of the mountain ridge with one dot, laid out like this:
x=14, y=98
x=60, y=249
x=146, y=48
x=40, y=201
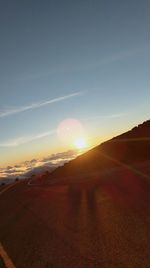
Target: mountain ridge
x=128, y=148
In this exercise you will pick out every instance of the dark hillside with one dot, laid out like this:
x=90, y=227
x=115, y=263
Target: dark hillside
x=130, y=147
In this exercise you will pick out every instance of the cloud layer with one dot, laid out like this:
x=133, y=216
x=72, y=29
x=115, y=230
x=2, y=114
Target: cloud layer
x=34, y=166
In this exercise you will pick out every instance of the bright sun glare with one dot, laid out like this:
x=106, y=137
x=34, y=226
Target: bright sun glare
x=80, y=143
x=71, y=132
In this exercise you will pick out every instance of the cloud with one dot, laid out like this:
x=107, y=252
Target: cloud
x=12, y=111
x=115, y=57
x=60, y=156
x=35, y=166
x=13, y=171
x=9, y=167
x=22, y=140
x=106, y=116
x=69, y=67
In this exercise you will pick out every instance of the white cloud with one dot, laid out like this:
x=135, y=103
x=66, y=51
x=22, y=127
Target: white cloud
x=35, y=166
x=11, y=111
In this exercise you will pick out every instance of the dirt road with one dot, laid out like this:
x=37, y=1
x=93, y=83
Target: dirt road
x=96, y=222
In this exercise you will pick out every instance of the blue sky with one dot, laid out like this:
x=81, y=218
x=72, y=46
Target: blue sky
x=88, y=60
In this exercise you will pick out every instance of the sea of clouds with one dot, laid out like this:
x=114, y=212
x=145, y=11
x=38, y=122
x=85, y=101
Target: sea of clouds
x=32, y=167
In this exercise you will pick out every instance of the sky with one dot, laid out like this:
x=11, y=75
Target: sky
x=87, y=61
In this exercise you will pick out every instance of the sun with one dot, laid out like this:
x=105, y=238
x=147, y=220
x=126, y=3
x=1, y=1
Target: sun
x=71, y=132
x=80, y=143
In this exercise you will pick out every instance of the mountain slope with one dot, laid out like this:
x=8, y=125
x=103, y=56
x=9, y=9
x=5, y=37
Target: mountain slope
x=130, y=147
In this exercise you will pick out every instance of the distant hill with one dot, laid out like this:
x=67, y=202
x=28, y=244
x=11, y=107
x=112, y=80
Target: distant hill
x=130, y=147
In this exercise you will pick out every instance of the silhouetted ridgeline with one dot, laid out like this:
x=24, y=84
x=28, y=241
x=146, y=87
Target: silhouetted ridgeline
x=130, y=147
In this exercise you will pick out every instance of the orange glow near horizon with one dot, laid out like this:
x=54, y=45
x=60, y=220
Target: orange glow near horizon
x=71, y=135
x=78, y=143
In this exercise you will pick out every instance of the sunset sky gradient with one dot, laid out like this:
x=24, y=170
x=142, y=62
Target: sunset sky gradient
x=85, y=60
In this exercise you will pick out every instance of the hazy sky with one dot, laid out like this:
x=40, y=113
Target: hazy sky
x=88, y=60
